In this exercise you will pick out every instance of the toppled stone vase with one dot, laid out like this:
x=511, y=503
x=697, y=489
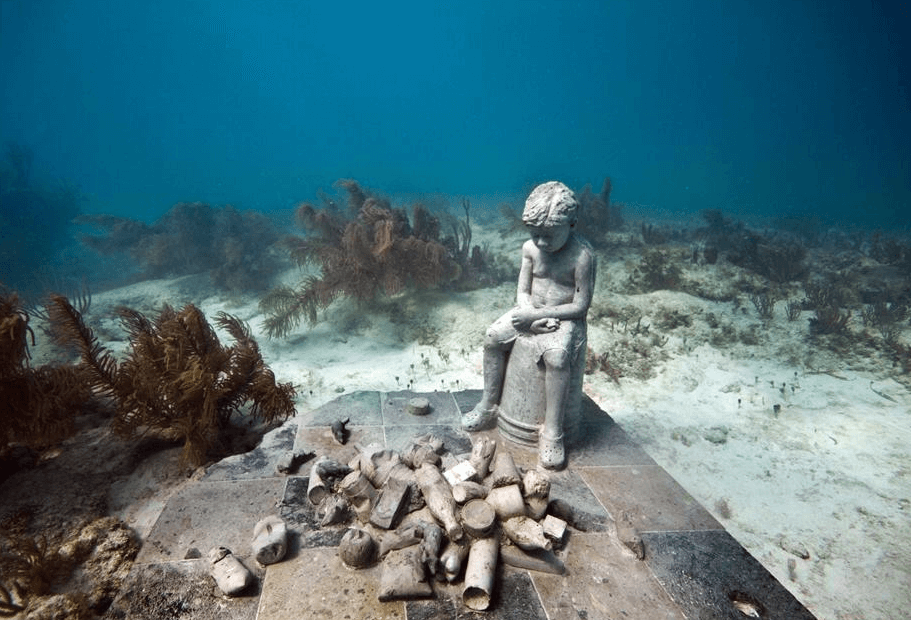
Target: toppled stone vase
x=270, y=540
x=357, y=548
x=230, y=575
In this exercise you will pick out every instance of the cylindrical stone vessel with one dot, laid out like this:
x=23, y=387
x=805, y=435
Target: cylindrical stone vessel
x=524, y=401
x=480, y=572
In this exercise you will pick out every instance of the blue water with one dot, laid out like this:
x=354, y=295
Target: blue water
x=749, y=107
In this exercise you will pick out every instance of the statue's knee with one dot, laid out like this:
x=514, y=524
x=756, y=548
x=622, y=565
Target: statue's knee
x=494, y=340
x=556, y=359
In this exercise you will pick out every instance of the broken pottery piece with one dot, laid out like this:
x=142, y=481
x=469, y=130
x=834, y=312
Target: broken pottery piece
x=504, y=470
x=536, y=488
x=418, y=406
x=390, y=504
x=479, y=573
x=418, y=453
x=536, y=507
x=360, y=494
x=461, y=472
x=535, y=483
x=231, y=576
x=383, y=464
x=322, y=473
x=425, y=448
x=543, y=561
x=405, y=536
x=433, y=440
x=333, y=510
x=357, y=548
x=270, y=540
x=465, y=491
x=451, y=560
x=482, y=451
x=362, y=459
x=554, y=528
x=478, y=518
x=528, y=535
x=507, y=501
x=438, y=495
x=403, y=576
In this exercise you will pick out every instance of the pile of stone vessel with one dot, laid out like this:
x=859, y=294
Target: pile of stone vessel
x=428, y=515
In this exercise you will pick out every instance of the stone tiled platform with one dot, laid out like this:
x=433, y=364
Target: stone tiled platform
x=693, y=568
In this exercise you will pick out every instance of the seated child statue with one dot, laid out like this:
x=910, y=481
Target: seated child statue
x=556, y=282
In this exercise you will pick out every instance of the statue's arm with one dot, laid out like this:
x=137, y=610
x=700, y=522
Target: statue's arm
x=586, y=268
x=523, y=294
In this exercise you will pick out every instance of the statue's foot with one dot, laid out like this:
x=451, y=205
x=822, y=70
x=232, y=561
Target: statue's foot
x=479, y=418
x=551, y=453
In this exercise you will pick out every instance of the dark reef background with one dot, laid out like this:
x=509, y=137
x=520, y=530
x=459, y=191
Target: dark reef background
x=752, y=108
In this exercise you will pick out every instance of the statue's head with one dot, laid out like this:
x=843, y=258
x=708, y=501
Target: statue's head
x=551, y=204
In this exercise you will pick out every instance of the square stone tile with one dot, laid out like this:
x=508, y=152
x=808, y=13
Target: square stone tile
x=361, y=408
x=443, y=409
x=589, y=514
x=319, y=440
x=467, y=399
x=302, y=521
x=211, y=514
x=649, y=496
x=603, y=581
x=184, y=590
x=259, y=462
x=707, y=572
x=454, y=439
x=600, y=441
x=315, y=584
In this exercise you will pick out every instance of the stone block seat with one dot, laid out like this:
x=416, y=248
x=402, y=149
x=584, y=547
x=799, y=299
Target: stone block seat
x=523, y=401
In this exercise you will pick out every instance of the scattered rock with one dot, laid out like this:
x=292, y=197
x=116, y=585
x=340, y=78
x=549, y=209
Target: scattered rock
x=795, y=548
x=716, y=435
x=291, y=461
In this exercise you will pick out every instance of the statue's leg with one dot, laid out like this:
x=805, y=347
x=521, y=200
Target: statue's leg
x=551, y=451
x=485, y=412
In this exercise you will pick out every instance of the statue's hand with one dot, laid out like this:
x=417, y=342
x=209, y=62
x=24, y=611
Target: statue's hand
x=523, y=319
x=543, y=326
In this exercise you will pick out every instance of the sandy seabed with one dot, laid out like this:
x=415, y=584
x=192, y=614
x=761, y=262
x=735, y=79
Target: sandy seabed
x=802, y=453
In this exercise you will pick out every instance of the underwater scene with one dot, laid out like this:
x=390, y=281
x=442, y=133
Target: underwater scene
x=226, y=227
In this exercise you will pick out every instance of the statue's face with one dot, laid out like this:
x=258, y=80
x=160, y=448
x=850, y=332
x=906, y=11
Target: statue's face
x=550, y=238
